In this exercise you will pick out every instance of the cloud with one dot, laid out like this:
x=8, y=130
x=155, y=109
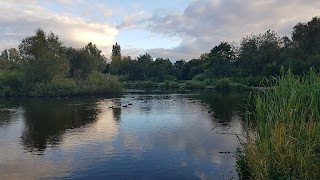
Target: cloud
x=204, y=24
x=133, y=20
x=66, y=1
x=18, y=21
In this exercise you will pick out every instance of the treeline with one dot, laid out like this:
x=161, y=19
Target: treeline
x=42, y=66
x=256, y=56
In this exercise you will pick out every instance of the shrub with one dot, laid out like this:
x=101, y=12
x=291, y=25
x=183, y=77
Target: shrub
x=194, y=85
x=145, y=84
x=56, y=87
x=98, y=83
x=223, y=84
x=199, y=77
x=170, y=85
x=11, y=83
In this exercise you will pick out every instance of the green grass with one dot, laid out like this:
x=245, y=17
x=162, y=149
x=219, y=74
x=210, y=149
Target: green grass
x=283, y=130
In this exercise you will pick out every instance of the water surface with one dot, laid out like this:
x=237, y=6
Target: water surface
x=159, y=136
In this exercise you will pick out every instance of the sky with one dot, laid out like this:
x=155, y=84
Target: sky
x=174, y=29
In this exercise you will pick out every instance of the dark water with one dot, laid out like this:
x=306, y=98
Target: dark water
x=159, y=136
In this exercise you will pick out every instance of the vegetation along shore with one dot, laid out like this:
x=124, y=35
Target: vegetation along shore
x=43, y=66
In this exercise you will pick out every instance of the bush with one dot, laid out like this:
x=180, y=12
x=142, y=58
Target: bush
x=11, y=83
x=145, y=84
x=223, y=84
x=199, y=77
x=250, y=81
x=98, y=83
x=56, y=87
x=194, y=85
x=239, y=86
x=170, y=85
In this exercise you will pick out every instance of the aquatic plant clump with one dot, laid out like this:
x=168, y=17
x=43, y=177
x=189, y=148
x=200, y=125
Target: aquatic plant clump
x=283, y=130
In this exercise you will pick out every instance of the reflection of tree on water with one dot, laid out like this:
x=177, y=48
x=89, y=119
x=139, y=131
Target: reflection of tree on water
x=47, y=120
x=116, y=112
x=8, y=109
x=224, y=104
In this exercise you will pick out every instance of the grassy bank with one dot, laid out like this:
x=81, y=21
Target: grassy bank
x=218, y=84
x=283, y=133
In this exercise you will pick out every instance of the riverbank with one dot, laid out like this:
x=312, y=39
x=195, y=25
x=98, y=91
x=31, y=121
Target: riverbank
x=220, y=84
x=283, y=131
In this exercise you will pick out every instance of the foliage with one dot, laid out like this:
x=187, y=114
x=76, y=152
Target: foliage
x=44, y=67
x=116, y=50
x=56, y=87
x=200, y=77
x=256, y=57
x=170, y=85
x=42, y=59
x=98, y=83
x=11, y=83
x=83, y=62
x=223, y=84
x=283, y=135
x=194, y=85
x=145, y=84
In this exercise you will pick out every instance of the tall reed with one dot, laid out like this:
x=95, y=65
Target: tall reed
x=283, y=132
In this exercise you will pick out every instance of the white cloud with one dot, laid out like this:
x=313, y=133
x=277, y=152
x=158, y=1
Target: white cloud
x=18, y=21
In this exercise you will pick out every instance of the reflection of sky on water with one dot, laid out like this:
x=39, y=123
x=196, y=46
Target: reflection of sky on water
x=158, y=136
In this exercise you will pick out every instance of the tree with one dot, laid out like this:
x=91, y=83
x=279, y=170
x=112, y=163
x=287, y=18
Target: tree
x=10, y=59
x=100, y=59
x=179, y=69
x=44, y=57
x=122, y=66
x=220, y=61
x=162, y=69
x=260, y=54
x=34, y=47
x=116, y=50
x=306, y=36
x=144, y=63
x=85, y=60
x=193, y=68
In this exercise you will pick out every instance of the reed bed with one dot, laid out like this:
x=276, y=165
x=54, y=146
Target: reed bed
x=283, y=130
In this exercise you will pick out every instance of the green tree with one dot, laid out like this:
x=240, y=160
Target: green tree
x=10, y=59
x=123, y=66
x=179, y=72
x=84, y=61
x=260, y=54
x=193, y=68
x=220, y=61
x=44, y=57
x=162, y=69
x=116, y=50
x=143, y=66
x=306, y=36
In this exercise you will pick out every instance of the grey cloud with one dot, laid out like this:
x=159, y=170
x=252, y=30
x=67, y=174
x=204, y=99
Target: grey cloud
x=208, y=23
x=133, y=20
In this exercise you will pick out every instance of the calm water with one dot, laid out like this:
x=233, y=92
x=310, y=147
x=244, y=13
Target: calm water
x=159, y=136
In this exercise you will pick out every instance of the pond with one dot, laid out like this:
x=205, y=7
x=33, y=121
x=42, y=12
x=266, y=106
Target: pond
x=135, y=136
